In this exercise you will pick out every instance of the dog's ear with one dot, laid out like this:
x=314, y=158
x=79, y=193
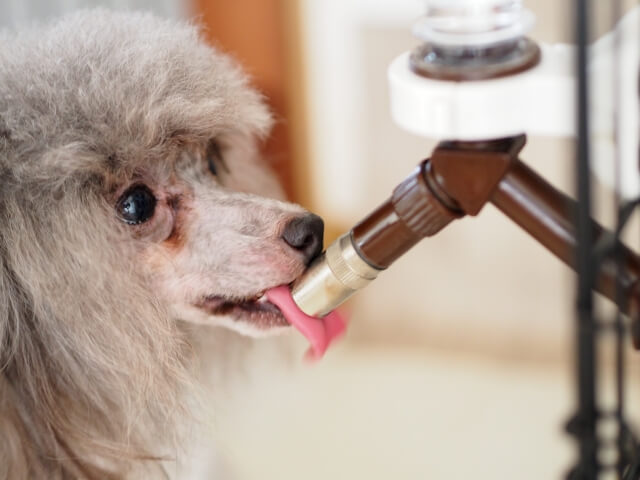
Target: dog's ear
x=81, y=332
x=16, y=462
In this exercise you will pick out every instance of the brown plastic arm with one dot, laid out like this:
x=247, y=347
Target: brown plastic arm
x=547, y=215
x=468, y=171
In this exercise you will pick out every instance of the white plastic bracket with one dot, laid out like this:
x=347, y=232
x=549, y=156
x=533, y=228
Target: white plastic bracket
x=539, y=101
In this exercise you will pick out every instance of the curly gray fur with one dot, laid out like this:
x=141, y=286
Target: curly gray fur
x=91, y=363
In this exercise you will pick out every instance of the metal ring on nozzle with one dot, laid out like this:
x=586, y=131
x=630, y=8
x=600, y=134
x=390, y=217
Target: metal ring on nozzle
x=332, y=278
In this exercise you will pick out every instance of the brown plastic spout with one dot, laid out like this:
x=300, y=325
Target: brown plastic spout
x=411, y=213
x=458, y=180
x=354, y=260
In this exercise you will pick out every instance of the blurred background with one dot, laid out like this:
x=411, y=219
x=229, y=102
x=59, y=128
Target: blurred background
x=458, y=361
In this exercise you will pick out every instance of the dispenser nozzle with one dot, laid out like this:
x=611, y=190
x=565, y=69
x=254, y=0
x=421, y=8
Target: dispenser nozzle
x=353, y=261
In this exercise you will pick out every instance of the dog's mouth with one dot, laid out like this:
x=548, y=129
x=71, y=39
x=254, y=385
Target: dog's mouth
x=256, y=310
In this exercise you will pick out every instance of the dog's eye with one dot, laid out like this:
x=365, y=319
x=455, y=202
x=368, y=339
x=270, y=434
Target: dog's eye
x=136, y=205
x=214, y=157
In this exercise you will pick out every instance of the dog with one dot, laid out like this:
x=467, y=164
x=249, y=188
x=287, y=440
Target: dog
x=136, y=214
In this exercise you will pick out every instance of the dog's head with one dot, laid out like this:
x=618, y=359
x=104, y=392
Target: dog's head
x=145, y=123
x=132, y=197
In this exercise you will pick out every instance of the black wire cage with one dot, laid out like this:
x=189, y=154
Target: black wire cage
x=603, y=452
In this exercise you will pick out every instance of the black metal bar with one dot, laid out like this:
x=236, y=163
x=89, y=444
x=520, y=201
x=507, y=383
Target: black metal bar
x=584, y=424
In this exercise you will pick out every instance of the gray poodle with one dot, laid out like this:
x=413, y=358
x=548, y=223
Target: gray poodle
x=135, y=214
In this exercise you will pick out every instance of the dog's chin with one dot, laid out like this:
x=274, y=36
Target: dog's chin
x=253, y=316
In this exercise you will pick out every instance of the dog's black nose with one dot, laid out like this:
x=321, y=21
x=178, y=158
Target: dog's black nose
x=305, y=234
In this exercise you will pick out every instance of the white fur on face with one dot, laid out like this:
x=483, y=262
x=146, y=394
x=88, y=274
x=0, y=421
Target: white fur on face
x=218, y=239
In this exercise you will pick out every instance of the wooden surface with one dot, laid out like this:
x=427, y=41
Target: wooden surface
x=263, y=36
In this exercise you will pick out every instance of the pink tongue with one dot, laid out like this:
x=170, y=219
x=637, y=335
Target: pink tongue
x=320, y=332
